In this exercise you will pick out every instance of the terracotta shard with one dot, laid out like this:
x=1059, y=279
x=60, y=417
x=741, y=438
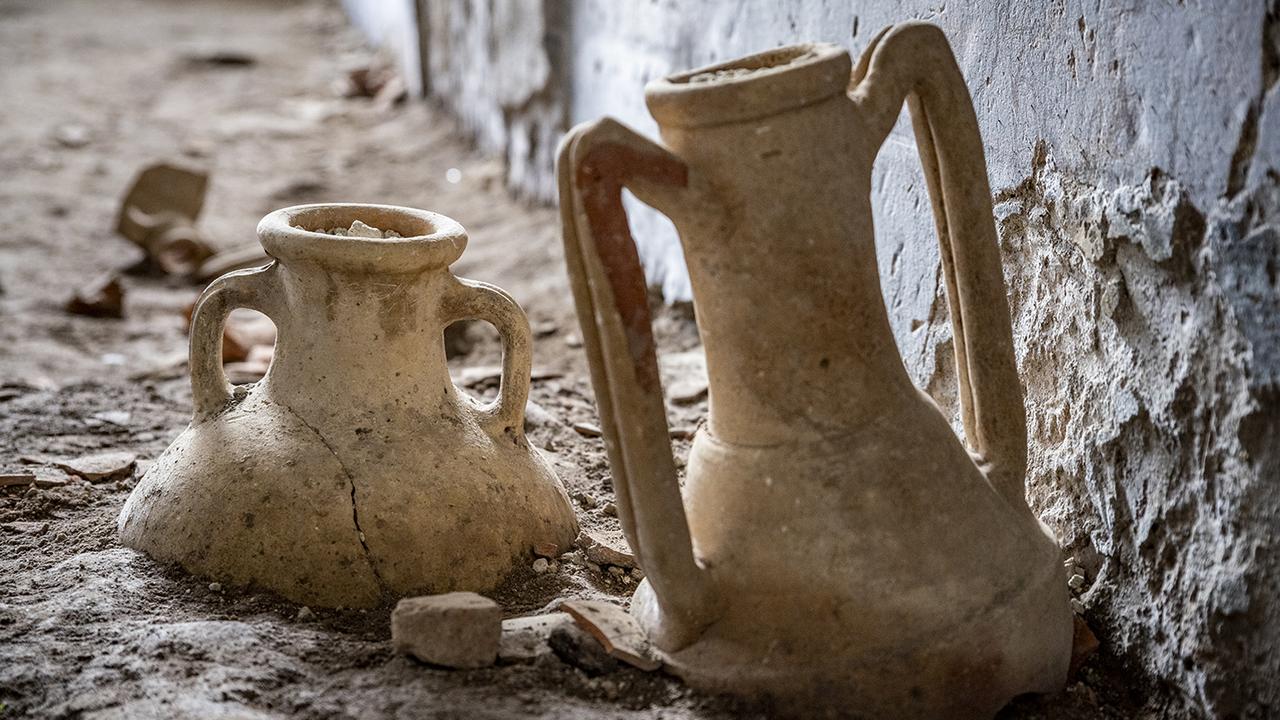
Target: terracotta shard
x=615, y=629
x=1083, y=645
x=103, y=298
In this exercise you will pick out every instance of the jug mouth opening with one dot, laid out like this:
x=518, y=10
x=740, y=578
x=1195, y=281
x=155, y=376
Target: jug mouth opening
x=749, y=87
x=412, y=240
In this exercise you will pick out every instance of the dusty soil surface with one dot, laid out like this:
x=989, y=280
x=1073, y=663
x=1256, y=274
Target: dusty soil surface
x=93, y=92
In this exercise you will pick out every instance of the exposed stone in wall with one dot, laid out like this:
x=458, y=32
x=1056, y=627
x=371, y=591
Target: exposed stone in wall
x=1147, y=339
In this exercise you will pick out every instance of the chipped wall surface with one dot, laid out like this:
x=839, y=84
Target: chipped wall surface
x=1133, y=149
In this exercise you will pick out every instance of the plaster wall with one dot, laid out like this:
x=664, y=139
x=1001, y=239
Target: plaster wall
x=1133, y=149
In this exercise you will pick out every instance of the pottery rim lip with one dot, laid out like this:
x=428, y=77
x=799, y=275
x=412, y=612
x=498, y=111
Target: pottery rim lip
x=428, y=239
x=770, y=82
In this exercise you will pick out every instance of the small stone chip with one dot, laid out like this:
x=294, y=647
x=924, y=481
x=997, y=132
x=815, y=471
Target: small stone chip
x=587, y=430
x=458, y=629
x=359, y=229
x=540, y=565
x=546, y=550
x=602, y=552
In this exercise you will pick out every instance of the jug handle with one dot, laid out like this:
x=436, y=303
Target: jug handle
x=914, y=61
x=472, y=300
x=255, y=289
x=595, y=161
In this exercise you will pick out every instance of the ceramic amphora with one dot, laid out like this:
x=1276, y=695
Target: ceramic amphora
x=354, y=471
x=837, y=547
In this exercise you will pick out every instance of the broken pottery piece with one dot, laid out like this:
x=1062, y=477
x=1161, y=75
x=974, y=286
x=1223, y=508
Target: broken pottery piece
x=615, y=629
x=354, y=470
x=526, y=639
x=836, y=545
x=579, y=648
x=158, y=214
x=103, y=298
x=100, y=467
x=458, y=629
x=9, y=478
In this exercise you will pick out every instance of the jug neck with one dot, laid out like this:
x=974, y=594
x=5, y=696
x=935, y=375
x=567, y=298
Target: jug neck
x=368, y=338
x=784, y=273
x=804, y=348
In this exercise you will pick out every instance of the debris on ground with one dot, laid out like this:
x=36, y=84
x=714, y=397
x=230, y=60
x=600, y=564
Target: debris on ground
x=392, y=93
x=682, y=433
x=458, y=629
x=578, y=648
x=586, y=429
x=158, y=214
x=219, y=57
x=102, y=298
x=12, y=478
x=100, y=467
x=536, y=416
x=1083, y=645
x=253, y=368
x=684, y=376
x=603, y=553
x=615, y=629
x=527, y=639
x=248, y=337
x=551, y=551
x=367, y=81
x=72, y=135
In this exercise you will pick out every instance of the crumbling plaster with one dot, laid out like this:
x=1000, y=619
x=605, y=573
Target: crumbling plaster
x=1134, y=150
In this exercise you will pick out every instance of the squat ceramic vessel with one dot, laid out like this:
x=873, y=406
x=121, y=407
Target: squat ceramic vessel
x=354, y=471
x=837, y=547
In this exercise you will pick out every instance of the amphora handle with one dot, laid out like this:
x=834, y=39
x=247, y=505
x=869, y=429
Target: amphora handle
x=914, y=61
x=596, y=160
x=472, y=300
x=255, y=289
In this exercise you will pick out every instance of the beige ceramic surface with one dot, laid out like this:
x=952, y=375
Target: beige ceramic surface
x=837, y=547
x=354, y=471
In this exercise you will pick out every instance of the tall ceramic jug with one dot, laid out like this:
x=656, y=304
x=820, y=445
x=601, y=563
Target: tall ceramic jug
x=354, y=472
x=837, y=547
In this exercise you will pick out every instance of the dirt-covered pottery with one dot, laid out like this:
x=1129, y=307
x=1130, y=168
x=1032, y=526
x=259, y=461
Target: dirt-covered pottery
x=837, y=547
x=354, y=471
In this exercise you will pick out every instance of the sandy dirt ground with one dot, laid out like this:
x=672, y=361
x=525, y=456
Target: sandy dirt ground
x=93, y=91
